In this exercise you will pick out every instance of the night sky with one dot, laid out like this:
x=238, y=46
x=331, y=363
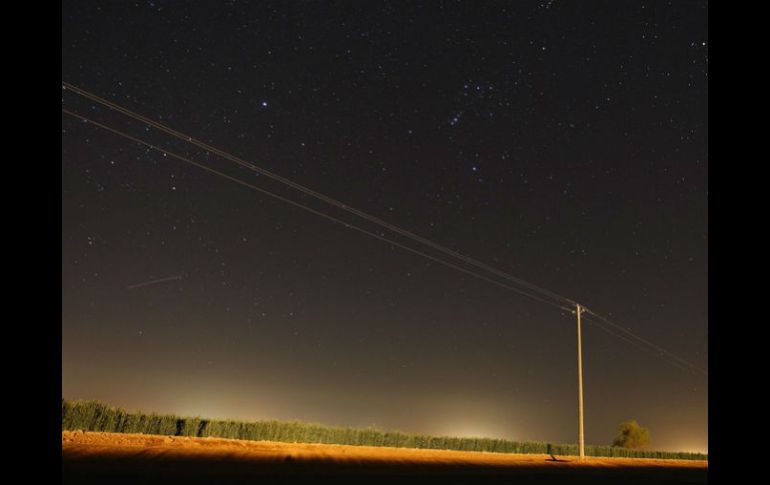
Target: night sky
x=561, y=142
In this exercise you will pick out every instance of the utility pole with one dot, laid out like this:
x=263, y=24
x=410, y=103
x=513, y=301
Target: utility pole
x=581, y=436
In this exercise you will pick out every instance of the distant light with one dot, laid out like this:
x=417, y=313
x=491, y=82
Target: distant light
x=263, y=104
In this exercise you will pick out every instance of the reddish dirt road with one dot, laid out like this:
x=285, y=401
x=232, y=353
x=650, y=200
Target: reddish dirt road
x=135, y=458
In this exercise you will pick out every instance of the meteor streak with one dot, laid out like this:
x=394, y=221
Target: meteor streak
x=148, y=283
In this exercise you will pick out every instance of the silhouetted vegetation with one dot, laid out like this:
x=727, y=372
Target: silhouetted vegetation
x=631, y=435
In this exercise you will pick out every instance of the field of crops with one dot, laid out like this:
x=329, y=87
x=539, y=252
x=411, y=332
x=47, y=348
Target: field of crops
x=97, y=416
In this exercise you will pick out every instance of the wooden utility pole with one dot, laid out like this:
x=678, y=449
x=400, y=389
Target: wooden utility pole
x=581, y=436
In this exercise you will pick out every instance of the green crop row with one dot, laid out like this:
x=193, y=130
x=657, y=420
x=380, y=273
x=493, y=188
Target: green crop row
x=97, y=416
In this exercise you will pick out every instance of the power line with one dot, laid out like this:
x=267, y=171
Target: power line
x=634, y=343
x=361, y=214
x=309, y=209
x=661, y=350
x=86, y=94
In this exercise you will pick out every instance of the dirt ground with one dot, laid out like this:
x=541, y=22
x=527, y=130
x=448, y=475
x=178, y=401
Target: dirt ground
x=135, y=458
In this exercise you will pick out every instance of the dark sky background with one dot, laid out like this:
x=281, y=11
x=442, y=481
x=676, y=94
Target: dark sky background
x=562, y=142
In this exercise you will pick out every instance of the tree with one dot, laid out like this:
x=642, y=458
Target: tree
x=631, y=435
